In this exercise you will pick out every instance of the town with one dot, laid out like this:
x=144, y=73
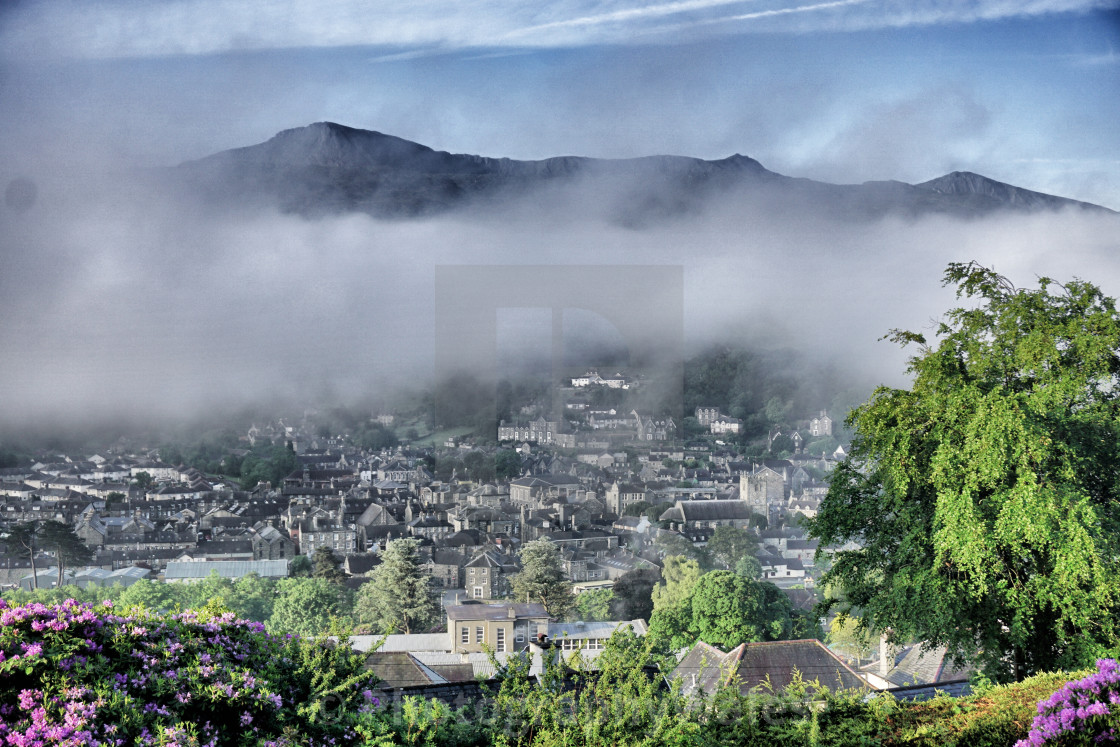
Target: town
x=627, y=499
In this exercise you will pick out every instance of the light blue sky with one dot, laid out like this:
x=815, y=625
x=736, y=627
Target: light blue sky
x=1027, y=92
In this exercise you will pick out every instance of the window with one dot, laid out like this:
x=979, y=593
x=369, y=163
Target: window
x=465, y=636
x=478, y=634
x=501, y=639
x=478, y=591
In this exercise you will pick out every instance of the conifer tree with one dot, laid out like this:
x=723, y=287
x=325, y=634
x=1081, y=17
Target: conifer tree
x=400, y=598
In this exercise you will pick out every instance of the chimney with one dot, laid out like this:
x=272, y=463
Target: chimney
x=886, y=659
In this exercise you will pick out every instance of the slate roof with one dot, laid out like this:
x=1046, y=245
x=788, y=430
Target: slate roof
x=494, y=611
x=752, y=665
x=952, y=688
x=918, y=666
x=402, y=669
x=716, y=510
x=484, y=560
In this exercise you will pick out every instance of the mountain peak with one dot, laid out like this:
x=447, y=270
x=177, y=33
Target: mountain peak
x=969, y=183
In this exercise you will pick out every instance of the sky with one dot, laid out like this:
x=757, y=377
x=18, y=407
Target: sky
x=845, y=91
x=100, y=303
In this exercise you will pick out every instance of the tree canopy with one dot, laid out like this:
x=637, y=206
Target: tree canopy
x=723, y=609
x=985, y=496
x=542, y=579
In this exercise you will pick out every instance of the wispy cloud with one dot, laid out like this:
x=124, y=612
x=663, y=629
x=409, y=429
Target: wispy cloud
x=129, y=28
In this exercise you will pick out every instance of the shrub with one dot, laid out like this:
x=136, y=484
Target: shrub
x=1080, y=712
x=73, y=674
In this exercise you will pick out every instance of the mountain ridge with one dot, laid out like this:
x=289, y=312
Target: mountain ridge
x=327, y=167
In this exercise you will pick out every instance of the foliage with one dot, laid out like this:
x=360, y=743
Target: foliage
x=542, y=579
x=1085, y=709
x=848, y=637
x=325, y=564
x=593, y=605
x=300, y=565
x=507, y=464
x=399, y=598
x=73, y=674
x=153, y=595
x=680, y=575
x=728, y=545
x=267, y=463
x=985, y=497
x=749, y=566
x=308, y=606
x=724, y=609
x=24, y=537
x=67, y=547
x=671, y=543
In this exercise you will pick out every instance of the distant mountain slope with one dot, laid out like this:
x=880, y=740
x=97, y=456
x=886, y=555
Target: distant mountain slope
x=1000, y=194
x=327, y=168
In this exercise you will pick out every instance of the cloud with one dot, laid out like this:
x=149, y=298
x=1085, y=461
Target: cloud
x=129, y=28
x=118, y=305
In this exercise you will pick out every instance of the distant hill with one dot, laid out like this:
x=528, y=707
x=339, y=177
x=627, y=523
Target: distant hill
x=327, y=168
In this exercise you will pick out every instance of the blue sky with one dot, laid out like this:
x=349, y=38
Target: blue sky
x=1027, y=92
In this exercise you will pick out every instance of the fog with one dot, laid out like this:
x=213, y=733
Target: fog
x=119, y=301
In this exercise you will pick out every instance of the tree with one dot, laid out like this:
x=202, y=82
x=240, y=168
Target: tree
x=25, y=539
x=671, y=543
x=154, y=595
x=400, y=598
x=254, y=597
x=728, y=545
x=299, y=566
x=847, y=636
x=67, y=546
x=307, y=606
x=143, y=480
x=724, y=609
x=593, y=605
x=324, y=564
x=680, y=575
x=985, y=497
x=542, y=579
x=749, y=566
x=507, y=464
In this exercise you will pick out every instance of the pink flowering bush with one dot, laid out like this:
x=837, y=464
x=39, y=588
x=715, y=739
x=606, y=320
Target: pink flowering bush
x=1086, y=711
x=72, y=674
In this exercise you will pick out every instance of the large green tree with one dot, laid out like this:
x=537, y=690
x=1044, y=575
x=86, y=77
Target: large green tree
x=308, y=606
x=400, y=598
x=985, y=497
x=542, y=579
x=724, y=609
x=680, y=575
x=729, y=545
